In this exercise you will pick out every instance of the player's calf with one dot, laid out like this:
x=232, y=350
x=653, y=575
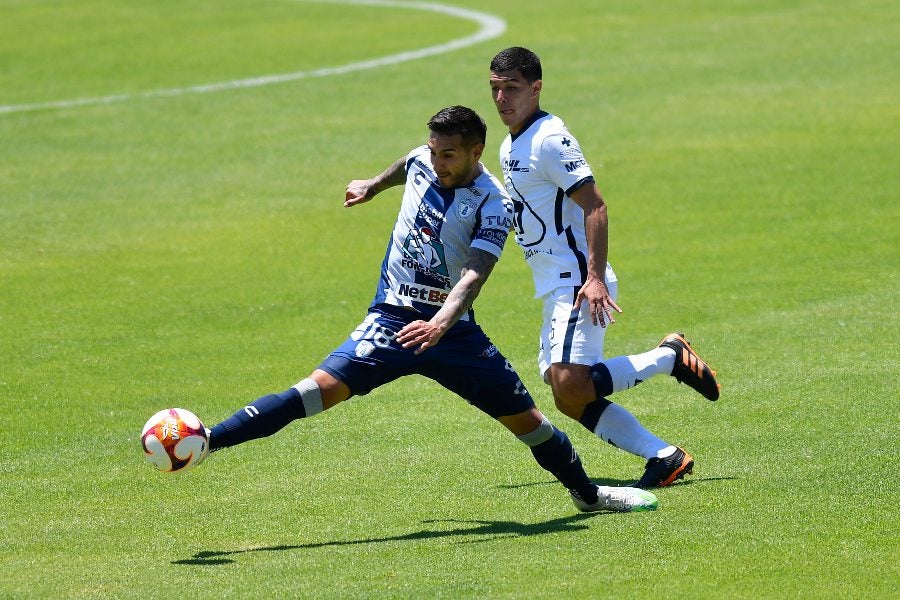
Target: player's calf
x=553, y=450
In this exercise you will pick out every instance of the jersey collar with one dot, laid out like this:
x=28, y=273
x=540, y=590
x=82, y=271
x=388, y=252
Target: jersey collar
x=538, y=114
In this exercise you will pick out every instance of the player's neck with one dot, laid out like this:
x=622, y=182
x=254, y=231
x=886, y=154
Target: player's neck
x=475, y=174
x=531, y=118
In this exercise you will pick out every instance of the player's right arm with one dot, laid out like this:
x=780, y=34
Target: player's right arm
x=363, y=190
x=596, y=227
x=565, y=165
x=425, y=334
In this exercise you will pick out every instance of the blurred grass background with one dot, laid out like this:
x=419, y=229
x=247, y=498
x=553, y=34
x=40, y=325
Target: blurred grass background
x=193, y=251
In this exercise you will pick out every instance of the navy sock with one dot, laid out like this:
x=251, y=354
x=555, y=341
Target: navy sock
x=558, y=456
x=261, y=418
x=592, y=411
x=602, y=379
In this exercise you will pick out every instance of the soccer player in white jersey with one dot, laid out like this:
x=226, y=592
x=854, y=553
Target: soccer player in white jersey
x=453, y=221
x=561, y=225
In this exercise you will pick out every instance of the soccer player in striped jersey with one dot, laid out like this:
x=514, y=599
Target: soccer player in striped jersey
x=453, y=221
x=561, y=224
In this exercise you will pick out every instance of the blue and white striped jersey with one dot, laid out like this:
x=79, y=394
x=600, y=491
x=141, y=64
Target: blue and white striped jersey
x=434, y=231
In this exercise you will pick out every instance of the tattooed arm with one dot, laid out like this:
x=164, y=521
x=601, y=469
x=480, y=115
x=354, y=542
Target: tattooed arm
x=425, y=334
x=363, y=190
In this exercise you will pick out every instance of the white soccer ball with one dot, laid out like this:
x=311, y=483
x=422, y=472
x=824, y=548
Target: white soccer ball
x=174, y=440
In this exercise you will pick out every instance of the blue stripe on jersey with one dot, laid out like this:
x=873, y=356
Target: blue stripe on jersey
x=570, y=330
x=383, y=283
x=579, y=255
x=411, y=161
x=570, y=237
x=494, y=236
x=478, y=213
x=558, y=211
x=436, y=201
x=430, y=218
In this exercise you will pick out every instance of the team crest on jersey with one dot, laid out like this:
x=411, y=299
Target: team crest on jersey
x=465, y=207
x=364, y=348
x=426, y=249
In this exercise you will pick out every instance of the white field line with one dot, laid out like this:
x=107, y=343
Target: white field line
x=490, y=27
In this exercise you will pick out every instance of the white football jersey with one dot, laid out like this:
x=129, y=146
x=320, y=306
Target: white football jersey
x=434, y=231
x=541, y=165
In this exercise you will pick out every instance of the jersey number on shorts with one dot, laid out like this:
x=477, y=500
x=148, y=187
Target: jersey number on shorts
x=372, y=331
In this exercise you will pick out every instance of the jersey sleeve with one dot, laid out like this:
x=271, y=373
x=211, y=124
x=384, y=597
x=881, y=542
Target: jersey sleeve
x=563, y=162
x=494, y=221
x=419, y=153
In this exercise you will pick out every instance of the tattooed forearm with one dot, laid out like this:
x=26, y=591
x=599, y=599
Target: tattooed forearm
x=478, y=267
x=393, y=175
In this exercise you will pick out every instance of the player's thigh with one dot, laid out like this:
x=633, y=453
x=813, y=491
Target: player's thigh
x=369, y=357
x=524, y=422
x=473, y=368
x=569, y=336
x=572, y=387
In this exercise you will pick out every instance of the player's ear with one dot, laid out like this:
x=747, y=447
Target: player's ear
x=536, y=87
x=477, y=151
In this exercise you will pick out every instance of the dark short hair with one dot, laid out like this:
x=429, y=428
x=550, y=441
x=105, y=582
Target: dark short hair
x=459, y=120
x=518, y=59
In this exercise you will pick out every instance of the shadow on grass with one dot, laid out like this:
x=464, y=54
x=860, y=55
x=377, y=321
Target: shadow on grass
x=699, y=480
x=485, y=530
x=619, y=482
x=553, y=482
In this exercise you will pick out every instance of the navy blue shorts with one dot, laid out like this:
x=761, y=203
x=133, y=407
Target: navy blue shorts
x=464, y=361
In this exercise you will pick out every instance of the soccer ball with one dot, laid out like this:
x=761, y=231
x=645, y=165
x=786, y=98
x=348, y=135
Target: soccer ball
x=174, y=440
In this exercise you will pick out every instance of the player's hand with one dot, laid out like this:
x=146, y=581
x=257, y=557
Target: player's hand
x=357, y=192
x=423, y=334
x=595, y=293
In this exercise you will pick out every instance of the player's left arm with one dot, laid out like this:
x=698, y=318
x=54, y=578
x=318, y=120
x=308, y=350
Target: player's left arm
x=363, y=190
x=596, y=227
x=425, y=334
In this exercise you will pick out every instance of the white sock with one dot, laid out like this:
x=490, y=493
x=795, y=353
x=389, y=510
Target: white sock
x=667, y=451
x=310, y=395
x=621, y=429
x=628, y=371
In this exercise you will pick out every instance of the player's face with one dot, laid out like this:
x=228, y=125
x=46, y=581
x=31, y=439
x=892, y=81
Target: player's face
x=455, y=163
x=515, y=98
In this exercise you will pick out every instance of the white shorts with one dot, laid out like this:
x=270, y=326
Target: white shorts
x=569, y=336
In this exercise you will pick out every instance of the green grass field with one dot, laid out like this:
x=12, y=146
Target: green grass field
x=191, y=249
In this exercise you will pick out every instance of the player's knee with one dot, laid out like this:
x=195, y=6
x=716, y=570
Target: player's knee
x=572, y=388
x=543, y=432
x=310, y=396
x=331, y=390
